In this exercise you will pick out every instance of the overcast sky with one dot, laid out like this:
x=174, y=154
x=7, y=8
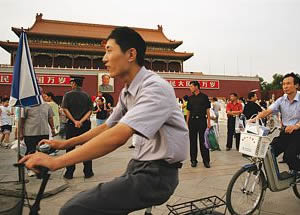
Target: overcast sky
x=232, y=37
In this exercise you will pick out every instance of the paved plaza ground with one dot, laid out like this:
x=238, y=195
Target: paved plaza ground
x=194, y=183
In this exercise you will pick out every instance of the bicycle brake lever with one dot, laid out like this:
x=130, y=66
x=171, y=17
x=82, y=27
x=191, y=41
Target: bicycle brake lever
x=19, y=165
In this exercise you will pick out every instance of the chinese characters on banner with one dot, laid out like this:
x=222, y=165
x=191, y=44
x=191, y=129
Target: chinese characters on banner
x=59, y=80
x=204, y=84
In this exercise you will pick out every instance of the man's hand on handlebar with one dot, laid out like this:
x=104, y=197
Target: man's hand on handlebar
x=55, y=144
x=33, y=161
x=289, y=129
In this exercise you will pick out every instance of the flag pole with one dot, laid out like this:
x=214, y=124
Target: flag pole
x=21, y=169
x=25, y=90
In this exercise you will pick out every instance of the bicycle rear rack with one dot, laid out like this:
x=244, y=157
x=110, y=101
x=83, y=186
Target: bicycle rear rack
x=198, y=207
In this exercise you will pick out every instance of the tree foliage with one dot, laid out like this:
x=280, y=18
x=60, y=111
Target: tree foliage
x=274, y=85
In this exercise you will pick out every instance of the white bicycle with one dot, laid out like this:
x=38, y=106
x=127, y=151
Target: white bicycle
x=246, y=190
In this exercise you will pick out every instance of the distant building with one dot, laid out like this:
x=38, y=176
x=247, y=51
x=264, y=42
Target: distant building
x=79, y=45
x=60, y=49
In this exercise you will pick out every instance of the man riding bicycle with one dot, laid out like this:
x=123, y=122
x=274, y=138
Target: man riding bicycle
x=289, y=107
x=147, y=111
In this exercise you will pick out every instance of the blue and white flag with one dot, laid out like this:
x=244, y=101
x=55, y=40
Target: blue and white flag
x=25, y=90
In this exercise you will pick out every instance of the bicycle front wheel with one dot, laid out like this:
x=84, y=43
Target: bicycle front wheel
x=296, y=188
x=245, y=191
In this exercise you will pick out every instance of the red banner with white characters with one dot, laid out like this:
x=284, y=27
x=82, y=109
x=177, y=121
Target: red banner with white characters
x=204, y=84
x=57, y=80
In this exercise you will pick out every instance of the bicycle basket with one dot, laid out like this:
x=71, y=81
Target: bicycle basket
x=198, y=207
x=254, y=145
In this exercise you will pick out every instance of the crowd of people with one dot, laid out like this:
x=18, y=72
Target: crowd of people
x=52, y=118
x=195, y=111
x=199, y=111
x=161, y=131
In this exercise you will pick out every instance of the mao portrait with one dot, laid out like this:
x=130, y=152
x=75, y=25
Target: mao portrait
x=106, y=83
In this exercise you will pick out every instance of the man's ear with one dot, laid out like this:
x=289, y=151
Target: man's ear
x=132, y=55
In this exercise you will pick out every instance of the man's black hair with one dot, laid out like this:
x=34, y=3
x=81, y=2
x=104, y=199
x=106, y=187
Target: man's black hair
x=54, y=98
x=215, y=99
x=294, y=76
x=50, y=94
x=101, y=99
x=78, y=83
x=251, y=95
x=234, y=94
x=186, y=97
x=128, y=38
x=78, y=80
x=195, y=83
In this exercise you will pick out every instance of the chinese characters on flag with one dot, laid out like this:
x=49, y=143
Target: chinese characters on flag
x=204, y=84
x=59, y=80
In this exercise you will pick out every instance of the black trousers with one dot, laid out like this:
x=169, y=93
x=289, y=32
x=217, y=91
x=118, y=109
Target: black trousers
x=289, y=144
x=32, y=141
x=231, y=133
x=72, y=131
x=197, y=127
x=144, y=184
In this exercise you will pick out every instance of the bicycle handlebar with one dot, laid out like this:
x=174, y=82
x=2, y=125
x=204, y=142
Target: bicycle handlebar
x=43, y=174
x=43, y=171
x=45, y=148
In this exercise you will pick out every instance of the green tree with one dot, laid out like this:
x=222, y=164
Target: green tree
x=264, y=86
x=298, y=75
x=277, y=81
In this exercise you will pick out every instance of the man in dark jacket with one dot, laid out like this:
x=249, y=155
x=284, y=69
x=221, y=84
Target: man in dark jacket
x=251, y=108
x=77, y=105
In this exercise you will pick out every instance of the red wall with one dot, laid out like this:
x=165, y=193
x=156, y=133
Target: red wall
x=90, y=86
x=242, y=88
x=4, y=90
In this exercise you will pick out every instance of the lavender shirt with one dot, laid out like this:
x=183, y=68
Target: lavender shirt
x=290, y=111
x=149, y=107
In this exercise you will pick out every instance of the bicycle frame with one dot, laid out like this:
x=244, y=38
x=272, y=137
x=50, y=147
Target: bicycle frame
x=275, y=181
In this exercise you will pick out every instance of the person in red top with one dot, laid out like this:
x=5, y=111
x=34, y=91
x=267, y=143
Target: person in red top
x=233, y=110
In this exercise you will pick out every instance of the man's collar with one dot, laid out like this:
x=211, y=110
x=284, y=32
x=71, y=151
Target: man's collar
x=296, y=98
x=134, y=85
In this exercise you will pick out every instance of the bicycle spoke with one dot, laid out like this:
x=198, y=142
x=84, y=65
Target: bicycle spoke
x=245, y=192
